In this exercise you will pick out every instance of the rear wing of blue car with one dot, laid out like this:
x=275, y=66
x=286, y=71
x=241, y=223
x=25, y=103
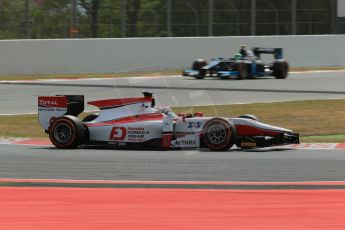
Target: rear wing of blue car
x=277, y=52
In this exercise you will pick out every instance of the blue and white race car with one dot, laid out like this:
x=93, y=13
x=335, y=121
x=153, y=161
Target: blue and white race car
x=242, y=66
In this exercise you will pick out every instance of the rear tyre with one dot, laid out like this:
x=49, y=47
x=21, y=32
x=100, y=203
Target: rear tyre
x=218, y=134
x=197, y=65
x=280, y=69
x=67, y=132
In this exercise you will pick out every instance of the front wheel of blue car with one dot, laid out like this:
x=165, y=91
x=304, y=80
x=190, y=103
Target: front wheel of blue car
x=197, y=65
x=218, y=134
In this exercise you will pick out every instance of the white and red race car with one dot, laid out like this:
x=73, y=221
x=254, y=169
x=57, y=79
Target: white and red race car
x=135, y=122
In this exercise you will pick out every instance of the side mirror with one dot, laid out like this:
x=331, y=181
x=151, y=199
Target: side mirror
x=153, y=103
x=198, y=114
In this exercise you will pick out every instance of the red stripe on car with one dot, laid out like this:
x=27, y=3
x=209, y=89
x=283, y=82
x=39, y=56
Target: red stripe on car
x=130, y=119
x=119, y=102
x=244, y=130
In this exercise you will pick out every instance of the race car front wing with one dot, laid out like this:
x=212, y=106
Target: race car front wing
x=268, y=141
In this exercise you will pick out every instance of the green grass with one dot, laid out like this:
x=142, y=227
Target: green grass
x=315, y=120
x=23, y=126
x=20, y=126
x=324, y=138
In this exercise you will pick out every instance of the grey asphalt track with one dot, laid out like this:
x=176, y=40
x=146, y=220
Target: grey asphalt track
x=33, y=162
x=178, y=91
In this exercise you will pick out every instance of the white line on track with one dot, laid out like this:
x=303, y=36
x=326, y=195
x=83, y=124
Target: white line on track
x=86, y=79
x=56, y=180
x=16, y=114
x=319, y=71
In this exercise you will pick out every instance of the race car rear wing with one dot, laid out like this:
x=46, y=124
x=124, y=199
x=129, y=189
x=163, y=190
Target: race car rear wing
x=277, y=52
x=51, y=107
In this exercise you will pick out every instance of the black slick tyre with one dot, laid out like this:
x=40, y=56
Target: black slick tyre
x=197, y=65
x=280, y=69
x=243, y=69
x=67, y=132
x=218, y=134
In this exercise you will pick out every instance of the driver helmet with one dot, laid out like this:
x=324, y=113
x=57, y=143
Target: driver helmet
x=238, y=56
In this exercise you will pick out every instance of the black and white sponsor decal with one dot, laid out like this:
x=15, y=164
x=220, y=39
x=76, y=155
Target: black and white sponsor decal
x=188, y=141
x=137, y=134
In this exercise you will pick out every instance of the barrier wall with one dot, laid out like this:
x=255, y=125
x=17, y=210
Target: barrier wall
x=133, y=54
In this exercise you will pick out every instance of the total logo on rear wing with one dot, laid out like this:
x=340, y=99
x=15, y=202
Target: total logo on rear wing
x=51, y=107
x=57, y=101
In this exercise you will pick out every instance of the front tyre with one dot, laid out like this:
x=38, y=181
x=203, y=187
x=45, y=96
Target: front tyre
x=197, y=65
x=67, y=132
x=218, y=134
